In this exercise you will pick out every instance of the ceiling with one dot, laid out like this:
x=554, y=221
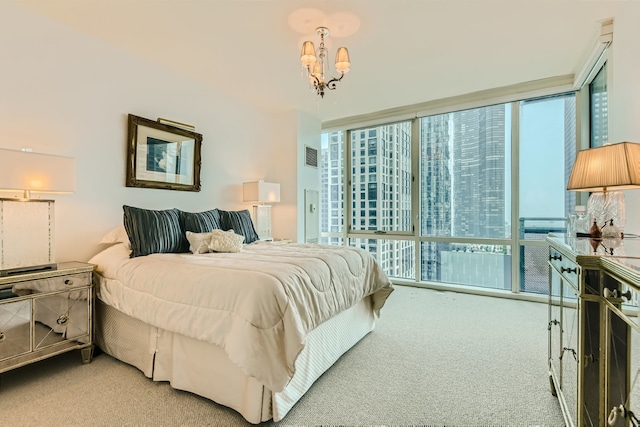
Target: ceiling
x=402, y=51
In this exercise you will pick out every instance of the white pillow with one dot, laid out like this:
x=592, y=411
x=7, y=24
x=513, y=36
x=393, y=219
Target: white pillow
x=117, y=235
x=225, y=241
x=198, y=242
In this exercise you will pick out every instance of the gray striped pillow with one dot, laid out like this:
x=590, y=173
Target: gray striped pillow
x=201, y=222
x=154, y=232
x=240, y=222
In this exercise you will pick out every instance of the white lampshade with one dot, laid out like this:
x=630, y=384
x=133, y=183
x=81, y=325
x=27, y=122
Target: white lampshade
x=260, y=191
x=308, y=54
x=36, y=172
x=342, y=60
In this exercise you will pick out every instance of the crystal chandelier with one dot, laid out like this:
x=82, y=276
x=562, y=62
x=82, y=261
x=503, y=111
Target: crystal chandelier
x=316, y=65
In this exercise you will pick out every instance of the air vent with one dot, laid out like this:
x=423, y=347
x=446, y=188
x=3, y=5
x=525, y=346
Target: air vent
x=310, y=156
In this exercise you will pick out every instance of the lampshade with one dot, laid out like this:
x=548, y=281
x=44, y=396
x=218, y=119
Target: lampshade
x=610, y=167
x=36, y=172
x=260, y=191
x=342, y=60
x=308, y=55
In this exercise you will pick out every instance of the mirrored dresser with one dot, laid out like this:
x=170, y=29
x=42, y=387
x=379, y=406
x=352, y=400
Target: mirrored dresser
x=46, y=313
x=594, y=329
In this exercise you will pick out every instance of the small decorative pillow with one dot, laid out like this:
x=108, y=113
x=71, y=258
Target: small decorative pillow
x=117, y=235
x=225, y=241
x=198, y=242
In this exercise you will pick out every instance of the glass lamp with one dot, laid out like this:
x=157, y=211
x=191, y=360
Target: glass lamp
x=604, y=171
x=27, y=224
x=262, y=193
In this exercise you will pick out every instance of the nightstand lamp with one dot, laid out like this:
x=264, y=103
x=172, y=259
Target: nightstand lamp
x=26, y=224
x=604, y=171
x=261, y=193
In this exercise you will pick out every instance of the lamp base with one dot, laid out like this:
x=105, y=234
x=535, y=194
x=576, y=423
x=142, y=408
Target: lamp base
x=262, y=221
x=607, y=209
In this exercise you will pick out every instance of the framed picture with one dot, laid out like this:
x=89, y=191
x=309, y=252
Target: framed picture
x=162, y=156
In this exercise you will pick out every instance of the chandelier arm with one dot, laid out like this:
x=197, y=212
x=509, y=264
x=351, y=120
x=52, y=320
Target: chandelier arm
x=331, y=84
x=318, y=85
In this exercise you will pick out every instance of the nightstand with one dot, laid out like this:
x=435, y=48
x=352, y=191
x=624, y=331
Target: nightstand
x=45, y=313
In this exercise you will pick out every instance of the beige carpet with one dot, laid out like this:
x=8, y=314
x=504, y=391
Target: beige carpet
x=435, y=358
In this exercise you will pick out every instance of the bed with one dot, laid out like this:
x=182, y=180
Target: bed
x=251, y=330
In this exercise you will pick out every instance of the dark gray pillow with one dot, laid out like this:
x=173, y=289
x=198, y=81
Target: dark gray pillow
x=201, y=222
x=240, y=222
x=154, y=232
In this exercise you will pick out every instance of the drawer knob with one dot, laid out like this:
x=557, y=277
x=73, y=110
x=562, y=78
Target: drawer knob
x=608, y=293
x=569, y=270
x=2, y=336
x=555, y=257
x=62, y=320
x=68, y=282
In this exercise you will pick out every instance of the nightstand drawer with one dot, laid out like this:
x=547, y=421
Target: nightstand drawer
x=52, y=284
x=568, y=269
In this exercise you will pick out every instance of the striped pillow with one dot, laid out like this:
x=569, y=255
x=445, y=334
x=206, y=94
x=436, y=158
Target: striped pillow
x=201, y=222
x=240, y=222
x=154, y=232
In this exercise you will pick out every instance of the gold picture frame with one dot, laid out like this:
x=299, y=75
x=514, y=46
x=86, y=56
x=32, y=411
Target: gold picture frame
x=162, y=156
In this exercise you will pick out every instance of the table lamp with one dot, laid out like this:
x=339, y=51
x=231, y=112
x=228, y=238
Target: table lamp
x=604, y=171
x=27, y=224
x=261, y=192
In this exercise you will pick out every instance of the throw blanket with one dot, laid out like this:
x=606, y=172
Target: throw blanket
x=257, y=304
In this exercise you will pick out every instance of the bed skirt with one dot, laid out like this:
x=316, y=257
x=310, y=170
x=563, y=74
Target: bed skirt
x=204, y=368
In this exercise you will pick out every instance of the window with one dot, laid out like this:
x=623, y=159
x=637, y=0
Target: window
x=396, y=138
x=547, y=137
x=465, y=169
x=599, y=109
x=480, y=214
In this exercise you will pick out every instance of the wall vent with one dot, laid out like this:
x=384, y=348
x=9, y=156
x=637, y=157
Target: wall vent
x=310, y=156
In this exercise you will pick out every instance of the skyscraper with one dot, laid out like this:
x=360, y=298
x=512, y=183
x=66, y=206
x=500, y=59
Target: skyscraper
x=479, y=172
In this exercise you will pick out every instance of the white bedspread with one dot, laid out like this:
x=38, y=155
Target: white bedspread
x=257, y=304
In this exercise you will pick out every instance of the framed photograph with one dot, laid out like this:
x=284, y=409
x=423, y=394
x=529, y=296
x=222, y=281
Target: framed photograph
x=162, y=156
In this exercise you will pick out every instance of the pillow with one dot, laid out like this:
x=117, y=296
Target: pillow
x=154, y=232
x=225, y=241
x=117, y=235
x=240, y=222
x=201, y=222
x=198, y=242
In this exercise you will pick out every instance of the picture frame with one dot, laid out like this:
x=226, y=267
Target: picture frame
x=162, y=156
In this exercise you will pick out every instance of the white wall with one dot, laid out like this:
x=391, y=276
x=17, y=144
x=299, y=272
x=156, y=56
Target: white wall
x=292, y=131
x=624, y=93
x=64, y=93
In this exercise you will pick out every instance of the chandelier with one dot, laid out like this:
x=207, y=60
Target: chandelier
x=316, y=65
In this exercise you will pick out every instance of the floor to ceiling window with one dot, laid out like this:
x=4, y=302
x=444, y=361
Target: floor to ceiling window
x=547, y=150
x=465, y=169
x=462, y=198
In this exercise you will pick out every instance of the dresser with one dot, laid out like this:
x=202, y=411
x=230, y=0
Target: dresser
x=46, y=313
x=594, y=365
